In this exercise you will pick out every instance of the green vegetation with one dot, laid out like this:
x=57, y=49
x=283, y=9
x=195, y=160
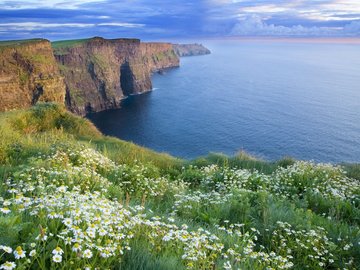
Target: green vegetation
x=72, y=198
x=12, y=43
x=60, y=47
x=68, y=43
x=23, y=76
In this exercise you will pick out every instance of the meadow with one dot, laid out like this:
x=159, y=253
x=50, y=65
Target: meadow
x=72, y=198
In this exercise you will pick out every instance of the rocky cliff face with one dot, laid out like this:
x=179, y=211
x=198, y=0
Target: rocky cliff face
x=28, y=74
x=99, y=72
x=190, y=49
x=88, y=75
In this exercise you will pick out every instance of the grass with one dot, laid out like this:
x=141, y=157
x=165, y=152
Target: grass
x=74, y=199
x=68, y=43
x=20, y=42
x=25, y=132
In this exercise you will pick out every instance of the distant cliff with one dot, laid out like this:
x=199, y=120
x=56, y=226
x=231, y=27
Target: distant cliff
x=28, y=74
x=100, y=72
x=190, y=49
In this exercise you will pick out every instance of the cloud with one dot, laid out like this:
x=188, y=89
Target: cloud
x=61, y=19
x=30, y=26
x=254, y=25
x=128, y=25
x=353, y=28
x=36, y=4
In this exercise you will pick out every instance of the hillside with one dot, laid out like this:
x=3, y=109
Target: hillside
x=72, y=198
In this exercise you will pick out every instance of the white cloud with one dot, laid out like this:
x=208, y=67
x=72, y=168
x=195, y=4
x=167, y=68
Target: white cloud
x=254, y=25
x=30, y=26
x=93, y=17
x=320, y=10
x=128, y=25
x=33, y=4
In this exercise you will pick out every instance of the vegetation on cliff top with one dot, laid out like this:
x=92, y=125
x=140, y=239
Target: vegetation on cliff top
x=68, y=43
x=12, y=43
x=72, y=198
x=75, y=42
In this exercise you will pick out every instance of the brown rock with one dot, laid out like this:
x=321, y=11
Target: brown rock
x=28, y=74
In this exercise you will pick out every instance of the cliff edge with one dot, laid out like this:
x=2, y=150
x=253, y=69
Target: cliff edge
x=28, y=74
x=100, y=72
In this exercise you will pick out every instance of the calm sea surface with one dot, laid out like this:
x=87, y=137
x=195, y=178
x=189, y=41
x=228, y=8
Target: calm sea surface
x=268, y=98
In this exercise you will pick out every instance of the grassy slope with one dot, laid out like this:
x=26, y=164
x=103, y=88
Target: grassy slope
x=26, y=134
x=23, y=133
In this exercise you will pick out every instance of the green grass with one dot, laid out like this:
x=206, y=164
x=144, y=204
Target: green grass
x=12, y=43
x=23, y=133
x=68, y=43
x=353, y=170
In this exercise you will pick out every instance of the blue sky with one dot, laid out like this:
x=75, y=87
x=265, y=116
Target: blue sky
x=160, y=19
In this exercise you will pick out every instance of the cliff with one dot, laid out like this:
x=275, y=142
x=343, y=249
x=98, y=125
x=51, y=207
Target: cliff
x=190, y=49
x=28, y=74
x=100, y=72
x=87, y=75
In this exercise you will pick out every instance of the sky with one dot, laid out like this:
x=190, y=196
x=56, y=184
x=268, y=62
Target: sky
x=160, y=19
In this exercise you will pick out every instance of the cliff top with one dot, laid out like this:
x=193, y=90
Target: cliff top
x=72, y=43
x=68, y=43
x=12, y=43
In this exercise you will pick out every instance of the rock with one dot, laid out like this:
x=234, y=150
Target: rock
x=190, y=49
x=100, y=72
x=29, y=74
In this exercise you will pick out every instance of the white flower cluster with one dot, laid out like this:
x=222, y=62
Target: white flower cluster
x=75, y=225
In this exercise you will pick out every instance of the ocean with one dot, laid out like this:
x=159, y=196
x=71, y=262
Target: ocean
x=270, y=98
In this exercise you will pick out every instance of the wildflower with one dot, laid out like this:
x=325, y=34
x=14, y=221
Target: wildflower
x=32, y=253
x=19, y=253
x=57, y=258
x=6, y=249
x=87, y=254
x=68, y=222
x=7, y=203
x=8, y=266
x=76, y=247
x=62, y=189
x=57, y=251
x=227, y=266
x=5, y=210
x=102, y=232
